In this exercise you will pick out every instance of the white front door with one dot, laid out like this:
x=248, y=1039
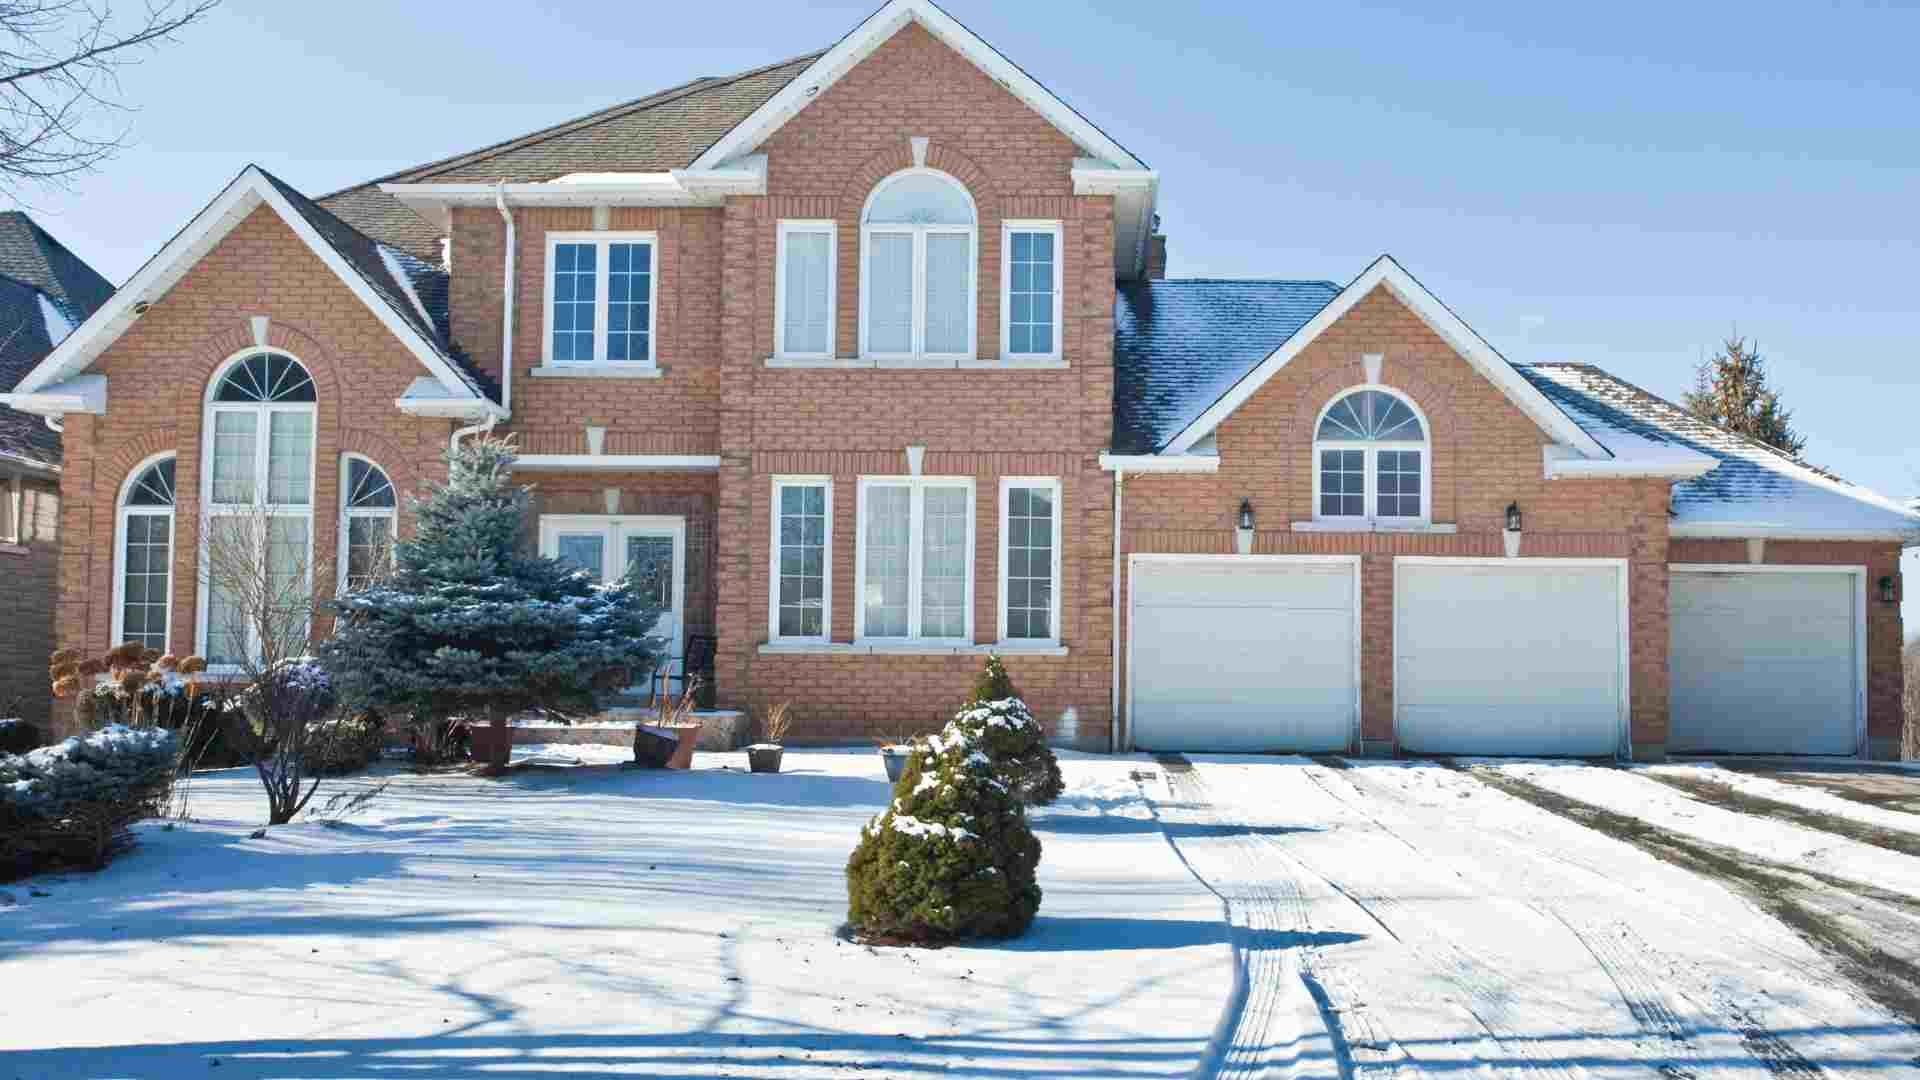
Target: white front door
x=651, y=550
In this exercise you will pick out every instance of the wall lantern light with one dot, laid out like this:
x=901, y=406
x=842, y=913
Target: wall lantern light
x=1511, y=537
x=1243, y=536
x=1889, y=591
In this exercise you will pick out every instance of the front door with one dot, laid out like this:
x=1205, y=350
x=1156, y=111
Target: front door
x=651, y=551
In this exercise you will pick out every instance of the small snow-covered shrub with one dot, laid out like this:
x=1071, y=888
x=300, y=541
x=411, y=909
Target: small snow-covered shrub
x=17, y=736
x=346, y=744
x=1000, y=723
x=72, y=802
x=951, y=857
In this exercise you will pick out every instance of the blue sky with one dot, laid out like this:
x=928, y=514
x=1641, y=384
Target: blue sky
x=1622, y=184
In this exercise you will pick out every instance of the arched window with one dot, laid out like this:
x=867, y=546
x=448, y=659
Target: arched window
x=143, y=559
x=257, y=481
x=1371, y=460
x=918, y=238
x=367, y=520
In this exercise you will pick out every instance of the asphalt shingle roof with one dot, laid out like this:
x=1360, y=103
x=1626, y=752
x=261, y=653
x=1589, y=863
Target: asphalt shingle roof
x=1178, y=345
x=664, y=130
x=45, y=291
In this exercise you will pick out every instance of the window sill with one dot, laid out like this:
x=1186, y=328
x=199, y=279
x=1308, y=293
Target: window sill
x=8, y=547
x=1371, y=527
x=904, y=648
x=1020, y=363
x=598, y=371
x=975, y=363
x=818, y=362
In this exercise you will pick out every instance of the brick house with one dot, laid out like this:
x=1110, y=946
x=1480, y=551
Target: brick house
x=45, y=291
x=868, y=361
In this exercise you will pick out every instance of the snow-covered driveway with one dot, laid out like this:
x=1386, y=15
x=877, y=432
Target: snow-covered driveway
x=1397, y=918
x=591, y=922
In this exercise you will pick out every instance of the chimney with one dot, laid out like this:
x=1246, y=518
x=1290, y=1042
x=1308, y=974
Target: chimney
x=1157, y=256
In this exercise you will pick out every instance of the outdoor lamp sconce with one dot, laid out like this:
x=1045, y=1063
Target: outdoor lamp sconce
x=1243, y=536
x=1512, y=534
x=1888, y=591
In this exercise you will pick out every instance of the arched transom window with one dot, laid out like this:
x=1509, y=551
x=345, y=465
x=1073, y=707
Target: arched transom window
x=258, y=488
x=918, y=236
x=367, y=517
x=1371, y=460
x=143, y=587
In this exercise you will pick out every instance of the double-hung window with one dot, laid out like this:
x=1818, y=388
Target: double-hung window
x=1030, y=560
x=918, y=242
x=802, y=571
x=601, y=290
x=915, y=560
x=804, y=293
x=1030, y=304
x=1372, y=461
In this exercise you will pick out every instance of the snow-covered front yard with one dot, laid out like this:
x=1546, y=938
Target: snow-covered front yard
x=591, y=922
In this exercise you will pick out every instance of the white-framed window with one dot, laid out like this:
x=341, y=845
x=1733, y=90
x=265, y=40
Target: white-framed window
x=257, y=481
x=1372, y=460
x=915, y=560
x=601, y=293
x=12, y=510
x=143, y=555
x=918, y=244
x=1030, y=290
x=648, y=550
x=800, y=598
x=369, y=520
x=1030, y=560
x=803, y=299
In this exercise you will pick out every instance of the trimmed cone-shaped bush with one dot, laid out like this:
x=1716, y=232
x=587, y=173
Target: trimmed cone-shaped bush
x=950, y=858
x=1001, y=725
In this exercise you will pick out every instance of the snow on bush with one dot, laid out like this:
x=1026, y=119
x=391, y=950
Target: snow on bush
x=1003, y=728
x=73, y=801
x=951, y=857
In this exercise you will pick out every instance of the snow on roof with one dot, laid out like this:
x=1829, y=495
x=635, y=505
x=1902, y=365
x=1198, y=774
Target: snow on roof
x=1754, y=490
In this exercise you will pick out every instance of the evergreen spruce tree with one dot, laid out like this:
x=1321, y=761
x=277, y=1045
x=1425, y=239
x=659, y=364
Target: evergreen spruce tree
x=468, y=624
x=1731, y=391
x=999, y=722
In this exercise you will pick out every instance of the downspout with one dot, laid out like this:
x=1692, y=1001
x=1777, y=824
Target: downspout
x=506, y=302
x=1113, y=710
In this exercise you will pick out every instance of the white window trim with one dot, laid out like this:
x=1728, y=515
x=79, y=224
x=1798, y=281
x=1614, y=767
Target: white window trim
x=16, y=501
x=262, y=450
x=915, y=559
x=347, y=513
x=808, y=226
x=1007, y=229
x=1007, y=484
x=781, y=483
x=610, y=526
x=919, y=356
x=1371, y=520
x=602, y=267
x=123, y=512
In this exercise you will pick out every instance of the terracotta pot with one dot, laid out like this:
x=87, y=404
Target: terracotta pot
x=764, y=759
x=895, y=758
x=648, y=751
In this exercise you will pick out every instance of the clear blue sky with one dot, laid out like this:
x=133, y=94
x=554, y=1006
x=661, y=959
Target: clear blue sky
x=1622, y=184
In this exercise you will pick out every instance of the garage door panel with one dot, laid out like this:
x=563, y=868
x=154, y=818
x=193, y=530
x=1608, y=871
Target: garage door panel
x=1242, y=656
x=1516, y=658
x=1763, y=662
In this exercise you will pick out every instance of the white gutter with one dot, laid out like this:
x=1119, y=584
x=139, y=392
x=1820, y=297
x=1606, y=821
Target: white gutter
x=1707, y=530
x=1677, y=465
x=506, y=303
x=677, y=187
x=1113, y=709
x=1160, y=463
x=82, y=393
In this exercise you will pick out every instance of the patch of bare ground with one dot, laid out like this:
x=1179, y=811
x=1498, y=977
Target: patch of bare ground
x=1871, y=934
x=1869, y=785
x=1724, y=795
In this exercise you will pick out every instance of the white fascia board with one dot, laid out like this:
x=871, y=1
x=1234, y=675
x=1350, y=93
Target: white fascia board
x=676, y=187
x=1094, y=177
x=427, y=397
x=1461, y=337
x=620, y=462
x=1160, y=463
x=1136, y=195
x=1731, y=530
x=1563, y=463
x=240, y=198
x=83, y=394
x=859, y=44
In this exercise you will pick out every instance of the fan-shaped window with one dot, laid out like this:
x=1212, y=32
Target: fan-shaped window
x=918, y=240
x=266, y=377
x=367, y=519
x=1371, y=460
x=143, y=585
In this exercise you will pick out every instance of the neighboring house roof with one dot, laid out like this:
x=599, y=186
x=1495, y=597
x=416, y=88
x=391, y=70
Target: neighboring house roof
x=1179, y=345
x=45, y=291
x=400, y=290
x=662, y=131
x=1752, y=491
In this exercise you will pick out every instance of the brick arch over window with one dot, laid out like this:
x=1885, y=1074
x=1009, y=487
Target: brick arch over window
x=862, y=181
x=1432, y=400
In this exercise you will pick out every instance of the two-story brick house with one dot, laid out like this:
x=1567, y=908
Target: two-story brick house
x=862, y=358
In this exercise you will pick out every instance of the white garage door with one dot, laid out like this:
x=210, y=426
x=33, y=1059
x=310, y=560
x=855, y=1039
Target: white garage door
x=1764, y=662
x=1243, y=655
x=1519, y=657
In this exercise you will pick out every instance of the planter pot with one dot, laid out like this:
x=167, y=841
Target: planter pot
x=765, y=758
x=665, y=746
x=895, y=759
x=490, y=744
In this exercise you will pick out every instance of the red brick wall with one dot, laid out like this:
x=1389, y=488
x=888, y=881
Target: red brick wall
x=29, y=568
x=158, y=374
